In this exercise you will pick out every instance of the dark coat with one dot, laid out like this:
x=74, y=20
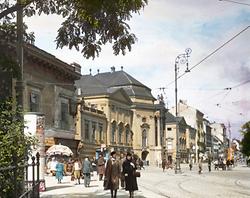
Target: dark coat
x=101, y=166
x=112, y=175
x=129, y=168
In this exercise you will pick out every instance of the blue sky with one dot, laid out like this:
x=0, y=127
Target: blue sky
x=165, y=29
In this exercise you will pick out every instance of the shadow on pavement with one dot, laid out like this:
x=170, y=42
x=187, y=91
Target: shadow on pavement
x=90, y=195
x=57, y=187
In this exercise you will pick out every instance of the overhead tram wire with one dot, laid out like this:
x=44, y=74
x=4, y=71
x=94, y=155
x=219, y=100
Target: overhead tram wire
x=236, y=2
x=212, y=53
x=243, y=83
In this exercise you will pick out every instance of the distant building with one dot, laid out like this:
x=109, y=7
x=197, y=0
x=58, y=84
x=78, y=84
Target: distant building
x=129, y=109
x=172, y=123
x=217, y=148
x=218, y=131
x=208, y=136
x=194, y=118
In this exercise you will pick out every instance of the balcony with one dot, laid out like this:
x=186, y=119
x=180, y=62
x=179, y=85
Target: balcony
x=89, y=109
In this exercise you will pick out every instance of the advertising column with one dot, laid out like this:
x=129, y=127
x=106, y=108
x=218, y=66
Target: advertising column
x=34, y=126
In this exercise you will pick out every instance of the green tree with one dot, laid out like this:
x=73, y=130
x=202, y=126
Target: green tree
x=245, y=130
x=87, y=25
x=14, y=145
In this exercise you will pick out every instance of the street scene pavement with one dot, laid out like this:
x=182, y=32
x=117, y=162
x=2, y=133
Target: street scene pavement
x=154, y=183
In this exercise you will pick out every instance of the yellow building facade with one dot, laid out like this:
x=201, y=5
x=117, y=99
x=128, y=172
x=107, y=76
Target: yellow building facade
x=130, y=112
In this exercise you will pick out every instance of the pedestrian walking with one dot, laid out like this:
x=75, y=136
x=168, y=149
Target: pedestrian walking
x=190, y=164
x=200, y=165
x=112, y=175
x=77, y=167
x=129, y=169
x=100, y=167
x=209, y=164
x=122, y=178
x=163, y=164
x=59, y=171
x=87, y=169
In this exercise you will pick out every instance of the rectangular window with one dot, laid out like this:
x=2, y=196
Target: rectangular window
x=169, y=129
x=93, y=131
x=86, y=129
x=34, y=102
x=127, y=135
x=100, y=132
x=65, y=116
x=113, y=132
x=170, y=145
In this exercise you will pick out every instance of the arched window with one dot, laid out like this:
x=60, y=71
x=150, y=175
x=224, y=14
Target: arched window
x=120, y=132
x=144, y=138
x=127, y=131
x=113, y=130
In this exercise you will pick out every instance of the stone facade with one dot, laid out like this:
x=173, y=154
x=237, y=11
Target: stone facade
x=91, y=129
x=130, y=111
x=49, y=89
x=186, y=137
x=116, y=120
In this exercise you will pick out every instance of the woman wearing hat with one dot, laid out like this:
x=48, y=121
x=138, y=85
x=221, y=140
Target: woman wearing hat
x=129, y=169
x=112, y=175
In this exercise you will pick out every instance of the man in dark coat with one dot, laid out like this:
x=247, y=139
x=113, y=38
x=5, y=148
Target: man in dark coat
x=129, y=169
x=112, y=175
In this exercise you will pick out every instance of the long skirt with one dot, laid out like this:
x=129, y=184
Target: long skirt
x=59, y=175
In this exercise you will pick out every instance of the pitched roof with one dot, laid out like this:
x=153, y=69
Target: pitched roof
x=170, y=118
x=104, y=83
x=91, y=86
x=118, y=78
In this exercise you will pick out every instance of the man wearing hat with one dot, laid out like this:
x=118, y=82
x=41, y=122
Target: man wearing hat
x=112, y=175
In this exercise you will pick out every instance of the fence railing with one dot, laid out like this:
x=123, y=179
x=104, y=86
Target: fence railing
x=29, y=182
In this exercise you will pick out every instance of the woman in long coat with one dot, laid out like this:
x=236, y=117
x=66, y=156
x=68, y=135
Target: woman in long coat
x=112, y=175
x=101, y=166
x=129, y=169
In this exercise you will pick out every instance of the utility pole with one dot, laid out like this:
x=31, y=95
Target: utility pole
x=180, y=59
x=229, y=134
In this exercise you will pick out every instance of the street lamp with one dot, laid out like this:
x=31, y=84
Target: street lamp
x=180, y=59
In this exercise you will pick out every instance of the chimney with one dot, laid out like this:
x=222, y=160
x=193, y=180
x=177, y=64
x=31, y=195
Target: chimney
x=112, y=69
x=79, y=91
x=77, y=67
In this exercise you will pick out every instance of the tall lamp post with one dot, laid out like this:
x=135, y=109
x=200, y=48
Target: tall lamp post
x=180, y=59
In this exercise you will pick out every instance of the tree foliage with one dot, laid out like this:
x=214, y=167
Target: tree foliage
x=245, y=130
x=14, y=145
x=87, y=25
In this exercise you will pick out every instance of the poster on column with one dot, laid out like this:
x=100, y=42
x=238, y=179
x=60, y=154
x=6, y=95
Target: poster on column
x=34, y=126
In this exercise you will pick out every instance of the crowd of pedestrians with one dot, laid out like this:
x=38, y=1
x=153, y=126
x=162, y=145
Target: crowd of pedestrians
x=117, y=171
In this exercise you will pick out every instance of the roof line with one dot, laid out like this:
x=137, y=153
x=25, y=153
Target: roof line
x=128, y=78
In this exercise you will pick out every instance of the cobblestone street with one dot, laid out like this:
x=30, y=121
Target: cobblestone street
x=155, y=183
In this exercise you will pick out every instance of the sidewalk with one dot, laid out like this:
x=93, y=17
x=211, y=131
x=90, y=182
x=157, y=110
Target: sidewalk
x=68, y=189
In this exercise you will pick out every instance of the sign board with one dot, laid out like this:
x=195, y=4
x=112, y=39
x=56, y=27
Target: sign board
x=34, y=126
